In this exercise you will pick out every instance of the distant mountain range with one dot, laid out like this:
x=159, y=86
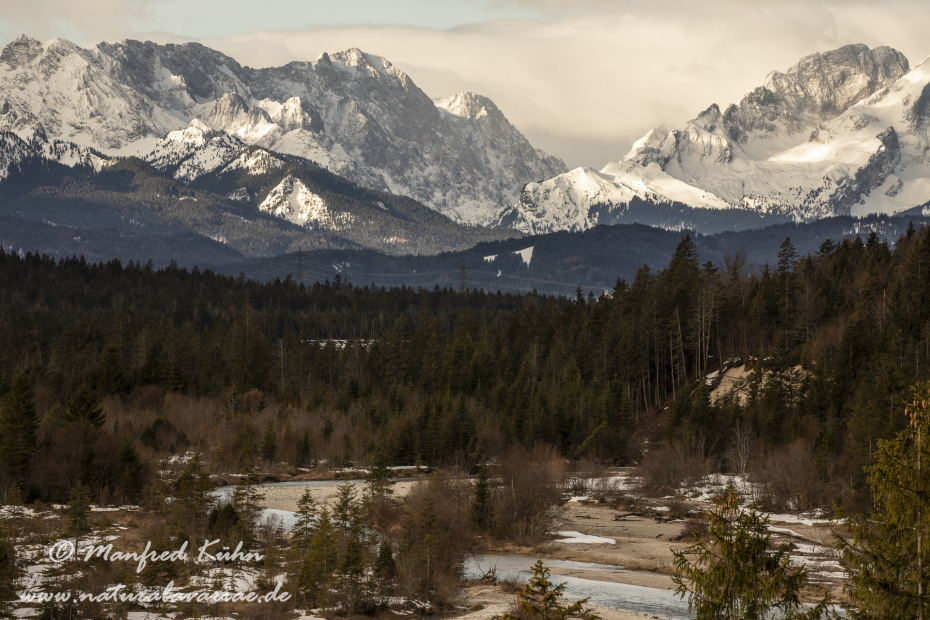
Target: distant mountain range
x=177, y=152
x=257, y=203
x=846, y=132
x=351, y=113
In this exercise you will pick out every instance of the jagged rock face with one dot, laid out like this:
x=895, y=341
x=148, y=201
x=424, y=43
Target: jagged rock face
x=352, y=113
x=13, y=150
x=838, y=133
x=60, y=91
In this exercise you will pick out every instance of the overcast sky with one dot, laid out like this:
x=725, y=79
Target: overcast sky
x=582, y=79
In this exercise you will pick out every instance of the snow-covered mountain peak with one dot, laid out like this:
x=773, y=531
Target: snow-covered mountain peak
x=351, y=112
x=196, y=134
x=839, y=132
x=21, y=51
x=295, y=202
x=354, y=57
x=467, y=105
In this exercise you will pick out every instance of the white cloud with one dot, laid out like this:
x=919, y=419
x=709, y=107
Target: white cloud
x=586, y=86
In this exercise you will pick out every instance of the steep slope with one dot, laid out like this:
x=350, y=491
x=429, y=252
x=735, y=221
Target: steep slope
x=839, y=133
x=59, y=91
x=352, y=113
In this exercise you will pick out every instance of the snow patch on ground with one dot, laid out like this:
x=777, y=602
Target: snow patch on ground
x=578, y=537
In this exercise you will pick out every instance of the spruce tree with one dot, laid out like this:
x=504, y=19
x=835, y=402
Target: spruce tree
x=303, y=449
x=77, y=511
x=887, y=554
x=787, y=260
x=193, y=501
x=306, y=518
x=379, y=481
x=481, y=508
x=19, y=425
x=737, y=573
x=247, y=501
x=320, y=563
x=269, y=442
x=85, y=410
x=543, y=600
x=247, y=446
x=131, y=470
x=109, y=377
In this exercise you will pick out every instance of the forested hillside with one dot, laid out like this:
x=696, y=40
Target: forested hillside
x=429, y=375
x=128, y=194
x=557, y=263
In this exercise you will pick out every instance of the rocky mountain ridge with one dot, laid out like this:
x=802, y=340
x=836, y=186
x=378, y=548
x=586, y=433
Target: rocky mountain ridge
x=351, y=113
x=837, y=134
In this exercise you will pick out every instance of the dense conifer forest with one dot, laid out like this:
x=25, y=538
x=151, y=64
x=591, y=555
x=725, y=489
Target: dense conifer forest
x=184, y=359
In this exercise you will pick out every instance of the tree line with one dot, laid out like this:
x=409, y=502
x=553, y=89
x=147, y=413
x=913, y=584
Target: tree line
x=343, y=372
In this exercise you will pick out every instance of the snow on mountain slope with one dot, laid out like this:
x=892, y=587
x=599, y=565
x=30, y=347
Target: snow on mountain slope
x=834, y=135
x=12, y=151
x=59, y=90
x=293, y=201
x=353, y=113
x=196, y=150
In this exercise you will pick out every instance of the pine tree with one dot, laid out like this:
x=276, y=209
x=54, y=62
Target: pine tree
x=77, y=511
x=320, y=563
x=19, y=425
x=543, y=600
x=85, y=410
x=737, y=573
x=481, y=508
x=131, y=470
x=303, y=449
x=306, y=518
x=269, y=442
x=379, y=481
x=888, y=554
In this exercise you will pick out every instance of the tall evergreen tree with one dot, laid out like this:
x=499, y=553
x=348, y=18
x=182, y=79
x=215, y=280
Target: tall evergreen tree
x=787, y=260
x=269, y=442
x=131, y=470
x=481, y=507
x=737, y=573
x=888, y=554
x=84, y=410
x=19, y=425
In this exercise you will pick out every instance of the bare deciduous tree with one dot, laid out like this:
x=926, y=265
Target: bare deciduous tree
x=740, y=451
